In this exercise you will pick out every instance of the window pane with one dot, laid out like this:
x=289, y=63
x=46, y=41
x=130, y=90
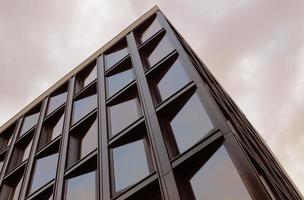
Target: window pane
x=119, y=80
x=56, y=101
x=26, y=151
x=219, y=179
x=29, y=122
x=162, y=49
x=130, y=164
x=6, y=137
x=174, y=79
x=123, y=114
x=57, y=129
x=44, y=171
x=81, y=187
x=153, y=28
x=2, y=157
x=116, y=55
x=89, y=140
x=190, y=124
x=84, y=106
x=91, y=77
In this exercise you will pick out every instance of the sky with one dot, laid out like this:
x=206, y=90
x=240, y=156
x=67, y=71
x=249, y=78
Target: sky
x=254, y=48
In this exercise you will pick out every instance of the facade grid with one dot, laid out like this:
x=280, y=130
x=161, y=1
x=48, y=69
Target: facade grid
x=142, y=118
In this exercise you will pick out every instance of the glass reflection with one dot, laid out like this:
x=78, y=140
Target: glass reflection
x=29, y=122
x=130, y=164
x=81, y=187
x=190, y=124
x=162, y=49
x=44, y=171
x=116, y=55
x=153, y=28
x=26, y=151
x=174, y=79
x=16, y=191
x=89, y=140
x=90, y=77
x=56, y=101
x=124, y=114
x=219, y=174
x=119, y=80
x=84, y=106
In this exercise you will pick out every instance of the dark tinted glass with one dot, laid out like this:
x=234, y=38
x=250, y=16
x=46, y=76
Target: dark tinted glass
x=29, y=122
x=89, y=140
x=81, y=187
x=44, y=171
x=172, y=81
x=26, y=151
x=56, y=101
x=16, y=191
x=218, y=179
x=190, y=124
x=115, y=55
x=83, y=106
x=90, y=77
x=118, y=80
x=130, y=164
x=153, y=28
x=6, y=137
x=2, y=157
x=162, y=49
x=124, y=114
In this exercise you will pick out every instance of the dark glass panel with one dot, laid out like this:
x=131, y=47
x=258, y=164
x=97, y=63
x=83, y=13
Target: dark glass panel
x=130, y=164
x=16, y=191
x=190, y=124
x=29, y=122
x=6, y=137
x=89, y=140
x=218, y=179
x=90, y=77
x=44, y=171
x=116, y=54
x=2, y=157
x=81, y=187
x=162, y=49
x=26, y=152
x=56, y=101
x=119, y=79
x=170, y=80
x=52, y=128
x=153, y=28
x=124, y=114
x=83, y=106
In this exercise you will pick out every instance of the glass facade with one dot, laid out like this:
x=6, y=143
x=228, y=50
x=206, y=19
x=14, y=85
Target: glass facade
x=140, y=119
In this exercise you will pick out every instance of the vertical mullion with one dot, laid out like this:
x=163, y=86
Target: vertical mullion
x=64, y=142
x=30, y=161
x=10, y=149
x=163, y=164
x=103, y=136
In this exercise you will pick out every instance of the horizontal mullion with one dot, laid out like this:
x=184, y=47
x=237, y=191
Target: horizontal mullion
x=41, y=190
x=15, y=169
x=90, y=114
x=48, y=145
x=117, y=64
x=80, y=162
x=121, y=91
x=84, y=89
x=50, y=115
x=147, y=42
x=24, y=135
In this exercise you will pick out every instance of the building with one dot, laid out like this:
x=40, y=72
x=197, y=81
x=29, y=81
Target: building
x=142, y=118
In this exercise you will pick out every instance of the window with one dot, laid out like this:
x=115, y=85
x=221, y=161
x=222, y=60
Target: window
x=84, y=104
x=150, y=192
x=156, y=50
x=83, y=140
x=169, y=78
x=57, y=99
x=119, y=77
x=124, y=112
x=47, y=194
x=184, y=122
x=11, y=187
x=216, y=178
x=115, y=54
x=2, y=157
x=135, y=170
x=86, y=77
x=29, y=121
x=81, y=187
x=44, y=170
x=52, y=128
x=21, y=151
x=6, y=137
x=149, y=29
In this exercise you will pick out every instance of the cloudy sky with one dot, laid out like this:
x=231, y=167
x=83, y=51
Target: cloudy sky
x=255, y=49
